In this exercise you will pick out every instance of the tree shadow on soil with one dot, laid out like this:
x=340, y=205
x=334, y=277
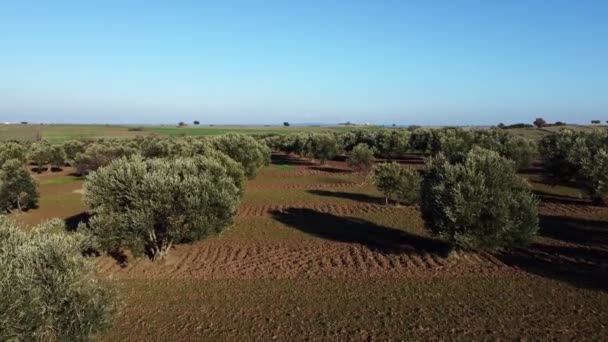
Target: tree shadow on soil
x=71, y=225
x=581, y=261
x=288, y=159
x=72, y=222
x=562, y=199
x=354, y=230
x=349, y=195
x=330, y=169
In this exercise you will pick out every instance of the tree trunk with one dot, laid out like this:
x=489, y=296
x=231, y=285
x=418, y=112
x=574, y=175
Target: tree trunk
x=19, y=202
x=386, y=200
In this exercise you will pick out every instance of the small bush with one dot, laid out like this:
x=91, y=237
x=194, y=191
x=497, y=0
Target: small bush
x=478, y=201
x=47, y=288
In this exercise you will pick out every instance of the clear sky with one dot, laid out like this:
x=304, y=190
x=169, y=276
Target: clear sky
x=407, y=62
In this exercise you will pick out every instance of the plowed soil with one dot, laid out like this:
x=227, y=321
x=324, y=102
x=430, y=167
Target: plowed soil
x=315, y=254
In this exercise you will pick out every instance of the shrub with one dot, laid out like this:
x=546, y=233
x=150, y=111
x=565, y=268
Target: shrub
x=47, y=288
x=397, y=182
x=245, y=150
x=147, y=205
x=478, y=201
x=17, y=187
x=361, y=157
x=322, y=146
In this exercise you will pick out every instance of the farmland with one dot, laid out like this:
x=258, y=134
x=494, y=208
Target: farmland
x=314, y=253
x=58, y=133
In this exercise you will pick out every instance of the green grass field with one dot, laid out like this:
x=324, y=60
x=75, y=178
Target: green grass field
x=60, y=133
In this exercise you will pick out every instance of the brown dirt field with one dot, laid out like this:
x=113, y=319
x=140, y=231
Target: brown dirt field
x=315, y=254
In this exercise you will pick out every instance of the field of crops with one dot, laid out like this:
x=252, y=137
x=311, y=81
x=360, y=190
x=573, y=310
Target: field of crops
x=315, y=253
x=60, y=133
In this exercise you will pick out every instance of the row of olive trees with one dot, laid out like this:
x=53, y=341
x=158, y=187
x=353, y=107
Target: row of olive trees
x=394, y=143
x=580, y=157
x=145, y=203
x=474, y=200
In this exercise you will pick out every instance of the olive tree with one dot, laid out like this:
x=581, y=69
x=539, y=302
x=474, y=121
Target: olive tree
x=48, y=291
x=478, y=201
x=361, y=158
x=594, y=176
x=39, y=154
x=147, y=205
x=250, y=153
x=322, y=146
x=72, y=148
x=395, y=182
x=391, y=143
x=56, y=156
x=12, y=150
x=17, y=187
x=99, y=154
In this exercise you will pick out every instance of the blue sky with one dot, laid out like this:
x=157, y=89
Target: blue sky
x=408, y=62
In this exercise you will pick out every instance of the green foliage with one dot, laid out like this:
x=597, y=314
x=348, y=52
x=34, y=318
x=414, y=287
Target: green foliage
x=421, y=139
x=72, y=148
x=579, y=156
x=245, y=150
x=322, y=146
x=594, y=176
x=147, y=205
x=40, y=153
x=478, y=201
x=17, y=187
x=395, y=182
x=361, y=158
x=12, y=150
x=47, y=288
x=557, y=152
x=99, y=154
x=451, y=141
x=56, y=156
x=392, y=143
x=520, y=150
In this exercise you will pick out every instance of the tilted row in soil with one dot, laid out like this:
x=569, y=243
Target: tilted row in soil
x=342, y=209
x=215, y=260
